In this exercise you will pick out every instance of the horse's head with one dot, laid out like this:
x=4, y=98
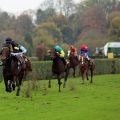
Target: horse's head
x=5, y=53
x=83, y=60
x=52, y=54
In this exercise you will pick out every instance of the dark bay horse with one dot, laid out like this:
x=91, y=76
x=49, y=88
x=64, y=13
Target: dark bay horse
x=73, y=63
x=12, y=72
x=59, y=69
x=86, y=66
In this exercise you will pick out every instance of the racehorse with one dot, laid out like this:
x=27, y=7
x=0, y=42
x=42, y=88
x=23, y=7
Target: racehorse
x=59, y=69
x=84, y=67
x=73, y=63
x=12, y=72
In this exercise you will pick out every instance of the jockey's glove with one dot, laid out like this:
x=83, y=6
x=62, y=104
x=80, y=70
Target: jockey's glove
x=16, y=48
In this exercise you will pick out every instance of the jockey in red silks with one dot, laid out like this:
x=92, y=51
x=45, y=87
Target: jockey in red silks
x=84, y=50
x=73, y=50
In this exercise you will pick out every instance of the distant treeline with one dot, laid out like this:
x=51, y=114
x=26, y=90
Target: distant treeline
x=93, y=22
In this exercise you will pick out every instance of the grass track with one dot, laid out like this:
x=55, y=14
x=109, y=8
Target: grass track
x=97, y=101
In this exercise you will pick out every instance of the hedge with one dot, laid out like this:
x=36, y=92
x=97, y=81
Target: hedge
x=42, y=69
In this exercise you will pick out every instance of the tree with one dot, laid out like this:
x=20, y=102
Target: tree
x=6, y=21
x=94, y=18
x=52, y=29
x=40, y=51
x=43, y=15
x=23, y=24
x=68, y=7
x=67, y=34
x=28, y=39
x=114, y=30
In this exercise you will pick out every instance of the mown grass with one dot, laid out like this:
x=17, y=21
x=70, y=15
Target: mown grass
x=97, y=101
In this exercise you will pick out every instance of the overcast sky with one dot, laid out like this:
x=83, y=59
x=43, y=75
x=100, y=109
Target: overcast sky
x=18, y=6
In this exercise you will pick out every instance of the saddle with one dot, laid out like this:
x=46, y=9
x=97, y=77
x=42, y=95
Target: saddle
x=23, y=61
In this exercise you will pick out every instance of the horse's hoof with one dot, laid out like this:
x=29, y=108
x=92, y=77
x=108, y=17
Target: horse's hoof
x=13, y=87
x=17, y=94
x=10, y=91
x=7, y=90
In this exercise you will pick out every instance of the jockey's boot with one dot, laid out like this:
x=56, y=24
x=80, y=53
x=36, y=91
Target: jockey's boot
x=64, y=61
x=77, y=58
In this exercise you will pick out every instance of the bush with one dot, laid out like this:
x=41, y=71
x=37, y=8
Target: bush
x=102, y=66
x=43, y=69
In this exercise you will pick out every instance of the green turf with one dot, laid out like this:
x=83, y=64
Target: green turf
x=97, y=101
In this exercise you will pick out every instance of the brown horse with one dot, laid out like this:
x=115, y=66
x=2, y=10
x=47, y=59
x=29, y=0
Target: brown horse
x=73, y=63
x=59, y=69
x=84, y=67
x=12, y=72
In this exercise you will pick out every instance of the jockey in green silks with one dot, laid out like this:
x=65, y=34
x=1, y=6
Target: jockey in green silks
x=59, y=50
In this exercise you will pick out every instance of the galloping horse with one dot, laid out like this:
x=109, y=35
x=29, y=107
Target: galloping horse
x=84, y=67
x=12, y=72
x=59, y=69
x=73, y=63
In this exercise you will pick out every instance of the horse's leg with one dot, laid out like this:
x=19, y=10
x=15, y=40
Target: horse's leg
x=10, y=85
x=82, y=74
x=74, y=72
x=6, y=85
x=13, y=83
x=19, y=81
x=91, y=71
x=18, y=87
x=49, y=83
x=65, y=79
x=59, y=82
x=87, y=75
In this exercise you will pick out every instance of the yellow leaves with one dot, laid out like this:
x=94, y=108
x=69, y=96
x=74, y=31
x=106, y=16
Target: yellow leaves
x=116, y=22
x=114, y=17
x=114, y=14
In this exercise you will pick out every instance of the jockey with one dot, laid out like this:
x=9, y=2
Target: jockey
x=18, y=51
x=60, y=53
x=73, y=50
x=15, y=48
x=84, y=49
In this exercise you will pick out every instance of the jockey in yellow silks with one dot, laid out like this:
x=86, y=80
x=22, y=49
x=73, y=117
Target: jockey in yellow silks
x=60, y=53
